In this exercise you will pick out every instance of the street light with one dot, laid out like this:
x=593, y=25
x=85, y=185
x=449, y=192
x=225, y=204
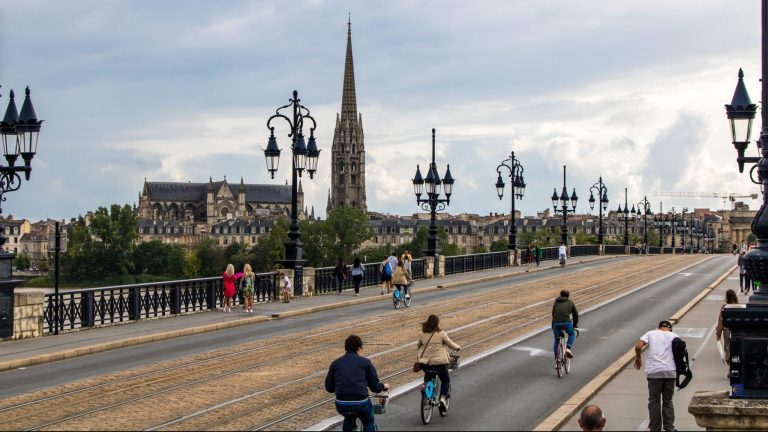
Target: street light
x=674, y=228
x=685, y=228
x=625, y=213
x=433, y=203
x=645, y=207
x=303, y=158
x=518, y=190
x=564, y=201
x=660, y=219
x=602, y=195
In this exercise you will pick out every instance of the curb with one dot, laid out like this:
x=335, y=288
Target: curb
x=108, y=346
x=568, y=409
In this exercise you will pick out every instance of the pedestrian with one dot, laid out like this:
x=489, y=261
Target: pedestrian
x=432, y=352
x=722, y=333
x=401, y=278
x=229, y=287
x=287, y=288
x=528, y=255
x=340, y=271
x=247, y=286
x=358, y=270
x=744, y=283
x=661, y=372
x=537, y=254
x=392, y=265
x=407, y=259
x=386, y=275
x=592, y=419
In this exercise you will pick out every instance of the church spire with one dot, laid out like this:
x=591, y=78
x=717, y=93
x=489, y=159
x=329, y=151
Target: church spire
x=348, y=98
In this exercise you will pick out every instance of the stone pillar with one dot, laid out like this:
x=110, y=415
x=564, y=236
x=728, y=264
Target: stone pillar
x=28, y=316
x=429, y=267
x=309, y=282
x=513, y=257
x=441, y=266
x=716, y=411
x=601, y=249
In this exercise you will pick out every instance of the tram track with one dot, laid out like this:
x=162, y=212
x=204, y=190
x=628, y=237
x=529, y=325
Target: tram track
x=213, y=405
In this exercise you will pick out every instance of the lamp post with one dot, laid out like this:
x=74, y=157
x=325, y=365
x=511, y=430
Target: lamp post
x=661, y=220
x=433, y=203
x=602, y=194
x=19, y=133
x=518, y=190
x=685, y=227
x=674, y=228
x=625, y=214
x=749, y=333
x=646, y=210
x=305, y=156
x=564, y=201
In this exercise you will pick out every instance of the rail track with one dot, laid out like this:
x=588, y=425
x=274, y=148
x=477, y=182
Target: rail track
x=255, y=385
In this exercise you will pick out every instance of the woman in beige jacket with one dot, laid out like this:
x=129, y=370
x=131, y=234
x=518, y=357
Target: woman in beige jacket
x=400, y=278
x=433, y=354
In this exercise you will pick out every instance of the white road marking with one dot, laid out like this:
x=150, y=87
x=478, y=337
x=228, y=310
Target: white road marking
x=732, y=278
x=715, y=297
x=534, y=352
x=690, y=332
x=704, y=342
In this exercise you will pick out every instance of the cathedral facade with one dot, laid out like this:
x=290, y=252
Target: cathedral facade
x=348, y=149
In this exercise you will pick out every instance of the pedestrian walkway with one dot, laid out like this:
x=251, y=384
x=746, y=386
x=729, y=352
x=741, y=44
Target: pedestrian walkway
x=27, y=352
x=624, y=400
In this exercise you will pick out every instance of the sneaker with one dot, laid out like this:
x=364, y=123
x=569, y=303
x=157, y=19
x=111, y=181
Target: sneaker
x=568, y=353
x=357, y=295
x=441, y=404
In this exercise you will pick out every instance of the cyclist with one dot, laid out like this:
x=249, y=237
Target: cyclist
x=562, y=252
x=401, y=278
x=562, y=311
x=432, y=354
x=349, y=377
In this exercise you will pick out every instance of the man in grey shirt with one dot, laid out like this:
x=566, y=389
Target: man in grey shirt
x=661, y=373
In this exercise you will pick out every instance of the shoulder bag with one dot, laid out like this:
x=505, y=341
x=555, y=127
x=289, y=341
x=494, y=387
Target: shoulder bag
x=417, y=365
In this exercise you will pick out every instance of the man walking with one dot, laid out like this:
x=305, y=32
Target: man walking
x=661, y=373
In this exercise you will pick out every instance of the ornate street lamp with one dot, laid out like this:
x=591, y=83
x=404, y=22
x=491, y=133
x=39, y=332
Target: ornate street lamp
x=564, y=201
x=661, y=219
x=602, y=195
x=433, y=203
x=625, y=217
x=304, y=157
x=645, y=207
x=518, y=190
x=685, y=228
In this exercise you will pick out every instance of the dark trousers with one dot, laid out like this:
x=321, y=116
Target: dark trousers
x=445, y=379
x=744, y=282
x=356, y=280
x=361, y=410
x=660, y=407
x=339, y=283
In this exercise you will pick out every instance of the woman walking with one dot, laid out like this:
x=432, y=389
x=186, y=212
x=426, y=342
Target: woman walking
x=358, y=269
x=432, y=352
x=247, y=286
x=722, y=332
x=744, y=282
x=341, y=274
x=229, y=287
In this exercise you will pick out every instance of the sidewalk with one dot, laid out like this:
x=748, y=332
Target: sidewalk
x=28, y=352
x=624, y=400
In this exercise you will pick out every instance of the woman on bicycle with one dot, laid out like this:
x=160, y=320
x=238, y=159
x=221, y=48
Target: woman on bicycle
x=400, y=278
x=432, y=353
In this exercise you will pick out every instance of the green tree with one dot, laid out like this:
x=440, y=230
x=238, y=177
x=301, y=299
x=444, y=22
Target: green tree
x=318, y=242
x=211, y=257
x=499, y=245
x=44, y=264
x=157, y=258
x=191, y=266
x=349, y=228
x=270, y=248
x=21, y=261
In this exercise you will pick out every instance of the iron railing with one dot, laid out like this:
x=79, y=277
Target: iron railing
x=654, y=250
x=91, y=307
x=549, y=253
x=583, y=250
x=468, y=263
x=325, y=277
x=615, y=249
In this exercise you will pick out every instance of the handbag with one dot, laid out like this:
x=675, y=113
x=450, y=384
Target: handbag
x=417, y=365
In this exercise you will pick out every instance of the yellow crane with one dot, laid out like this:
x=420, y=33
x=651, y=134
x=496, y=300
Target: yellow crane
x=729, y=196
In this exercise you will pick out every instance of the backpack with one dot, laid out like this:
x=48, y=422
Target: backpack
x=387, y=270
x=680, y=353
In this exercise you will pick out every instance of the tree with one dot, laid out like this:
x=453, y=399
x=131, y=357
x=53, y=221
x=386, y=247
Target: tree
x=191, y=266
x=270, y=248
x=157, y=258
x=21, y=261
x=211, y=257
x=499, y=245
x=349, y=228
x=318, y=242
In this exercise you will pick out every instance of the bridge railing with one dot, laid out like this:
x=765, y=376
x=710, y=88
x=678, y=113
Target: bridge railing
x=325, y=277
x=654, y=250
x=583, y=250
x=89, y=307
x=615, y=249
x=474, y=262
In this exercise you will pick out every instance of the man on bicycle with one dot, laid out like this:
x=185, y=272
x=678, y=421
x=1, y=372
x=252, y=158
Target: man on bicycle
x=562, y=311
x=349, y=377
x=562, y=252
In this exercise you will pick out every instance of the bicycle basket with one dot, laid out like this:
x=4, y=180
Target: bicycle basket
x=455, y=361
x=379, y=404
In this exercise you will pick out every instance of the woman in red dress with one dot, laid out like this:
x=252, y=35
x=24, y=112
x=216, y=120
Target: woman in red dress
x=229, y=287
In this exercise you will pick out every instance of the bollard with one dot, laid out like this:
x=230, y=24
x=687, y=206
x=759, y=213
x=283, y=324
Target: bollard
x=87, y=308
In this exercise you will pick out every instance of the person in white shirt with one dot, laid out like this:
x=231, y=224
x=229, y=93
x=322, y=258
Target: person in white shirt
x=661, y=373
x=562, y=251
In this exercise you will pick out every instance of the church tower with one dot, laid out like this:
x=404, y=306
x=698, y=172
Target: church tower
x=348, y=150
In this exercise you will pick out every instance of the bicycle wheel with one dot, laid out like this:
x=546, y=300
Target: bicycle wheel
x=558, y=360
x=567, y=362
x=407, y=300
x=426, y=408
x=396, y=299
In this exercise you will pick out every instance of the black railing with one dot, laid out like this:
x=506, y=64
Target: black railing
x=582, y=250
x=468, y=263
x=667, y=250
x=615, y=250
x=325, y=277
x=549, y=253
x=654, y=250
x=92, y=307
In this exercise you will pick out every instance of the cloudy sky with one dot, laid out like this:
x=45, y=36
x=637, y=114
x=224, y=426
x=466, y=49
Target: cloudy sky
x=181, y=90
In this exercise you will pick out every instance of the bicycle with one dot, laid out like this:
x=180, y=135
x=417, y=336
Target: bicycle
x=398, y=298
x=562, y=261
x=379, y=402
x=562, y=361
x=430, y=390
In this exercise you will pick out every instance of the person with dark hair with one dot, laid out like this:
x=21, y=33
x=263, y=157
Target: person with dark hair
x=722, y=332
x=340, y=271
x=401, y=279
x=433, y=355
x=358, y=269
x=661, y=372
x=349, y=378
x=562, y=311
x=592, y=419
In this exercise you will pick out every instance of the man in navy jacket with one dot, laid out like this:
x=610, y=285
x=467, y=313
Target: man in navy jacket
x=349, y=377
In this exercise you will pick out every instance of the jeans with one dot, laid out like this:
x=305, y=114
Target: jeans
x=403, y=289
x=568, y=326
x=356, y=279
x=362, y=410
x=445, y=379
x=660, y=407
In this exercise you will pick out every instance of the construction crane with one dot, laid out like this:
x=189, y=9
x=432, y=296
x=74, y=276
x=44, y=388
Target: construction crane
x=724, y=196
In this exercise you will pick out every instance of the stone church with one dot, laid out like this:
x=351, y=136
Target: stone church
x=348, y=149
